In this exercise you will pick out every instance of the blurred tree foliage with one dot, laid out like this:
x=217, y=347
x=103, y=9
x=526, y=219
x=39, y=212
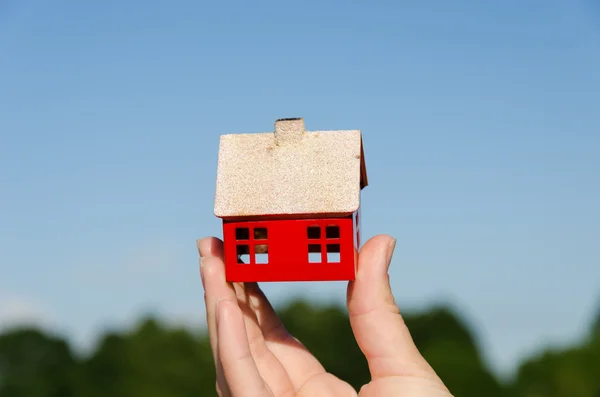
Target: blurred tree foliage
x=33, y=364
x=573, y=372
x=154, y=360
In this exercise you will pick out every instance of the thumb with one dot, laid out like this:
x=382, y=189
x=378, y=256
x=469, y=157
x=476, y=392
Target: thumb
x=376, y=322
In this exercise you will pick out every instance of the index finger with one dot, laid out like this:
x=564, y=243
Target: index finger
x=216, y=288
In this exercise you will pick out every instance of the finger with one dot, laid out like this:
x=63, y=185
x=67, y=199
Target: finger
x=299, y=363
x=375, y=319
x=239, y=367
x=269, y=367
x=215, y=289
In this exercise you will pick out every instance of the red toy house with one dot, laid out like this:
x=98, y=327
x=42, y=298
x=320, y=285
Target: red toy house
x=290, y=203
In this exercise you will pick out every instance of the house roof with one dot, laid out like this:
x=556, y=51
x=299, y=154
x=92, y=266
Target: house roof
x=290, y=172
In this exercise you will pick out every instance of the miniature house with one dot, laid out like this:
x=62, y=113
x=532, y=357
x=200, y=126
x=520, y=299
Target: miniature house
x=290, y=203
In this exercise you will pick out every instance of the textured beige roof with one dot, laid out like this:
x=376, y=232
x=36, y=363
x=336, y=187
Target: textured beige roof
x=289, y=171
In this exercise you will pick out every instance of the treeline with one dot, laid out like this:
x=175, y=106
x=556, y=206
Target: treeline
x=154, y=360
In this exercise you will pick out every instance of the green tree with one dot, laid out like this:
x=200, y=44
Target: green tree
x=35, y=364
x=569, y=372
x=151, y=361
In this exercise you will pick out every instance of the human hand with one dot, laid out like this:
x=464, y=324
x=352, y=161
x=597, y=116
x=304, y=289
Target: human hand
x=255, y=355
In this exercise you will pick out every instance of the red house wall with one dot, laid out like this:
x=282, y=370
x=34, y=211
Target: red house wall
x=287, y=243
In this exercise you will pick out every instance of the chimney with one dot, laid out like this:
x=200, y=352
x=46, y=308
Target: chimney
x=288, y=130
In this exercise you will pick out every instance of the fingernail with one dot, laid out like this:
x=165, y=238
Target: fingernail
x=202, y=261
x=198, y=245
x=390, y=251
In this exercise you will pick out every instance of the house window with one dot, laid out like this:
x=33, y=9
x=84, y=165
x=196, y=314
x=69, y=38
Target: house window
x=333, y=253
x=243, y=253
x=242, y=233
x=260, y=233
x=314, y=232
x=332, y=232
x=324, y=250
x=261, y=254
x=314, y=253
x=252, y=246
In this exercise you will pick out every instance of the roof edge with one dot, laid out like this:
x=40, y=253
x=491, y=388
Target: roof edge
x=364, y=179
x=285, y=216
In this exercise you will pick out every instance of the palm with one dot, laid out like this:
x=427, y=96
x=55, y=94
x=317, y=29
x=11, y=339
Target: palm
x=256, y=356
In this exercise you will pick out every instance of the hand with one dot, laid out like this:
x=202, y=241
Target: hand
x=255, y=355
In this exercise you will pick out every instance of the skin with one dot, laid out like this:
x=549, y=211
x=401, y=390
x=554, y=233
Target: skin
x=255, y=356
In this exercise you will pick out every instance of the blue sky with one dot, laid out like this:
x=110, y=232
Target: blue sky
x=481, y=130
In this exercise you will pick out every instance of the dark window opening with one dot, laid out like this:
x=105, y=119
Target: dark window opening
x=243, y=254
x=261, y=254
x=333, y=253
x=252, y=245
x=314, y=232
x=314, y=253
x=242, y=233
x=332, y=232
x=260, y=233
